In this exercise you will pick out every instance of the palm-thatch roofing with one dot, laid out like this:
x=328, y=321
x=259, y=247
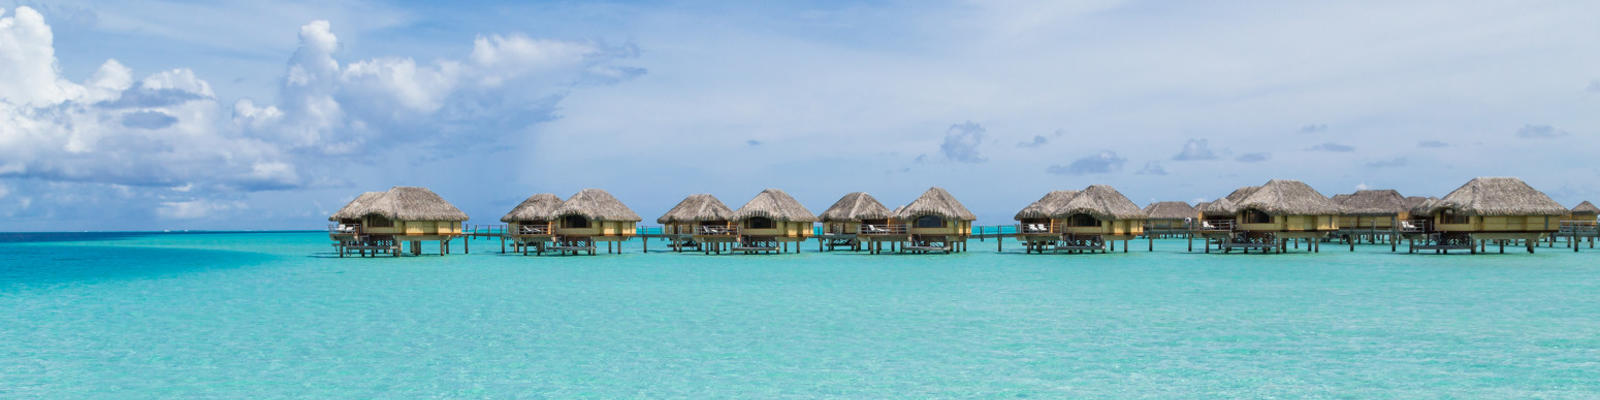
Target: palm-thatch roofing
x=1170, y=210
x=1219, y=208
x=776, y=205
x=349, y=210
x=596, y=205
x=1240, y=193
x=1425, y=206
x=1413, y=201
x=537, y=207
x=1586, y=208
x=937, y=202
x=1102, y=202
x=1497, y=196
x=1288, y=197
x=856, y=206
x=1045, y=206
x=697, y=208
x=402, y=203
x=1372, y=203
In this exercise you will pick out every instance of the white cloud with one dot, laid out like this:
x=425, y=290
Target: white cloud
x=169, y=130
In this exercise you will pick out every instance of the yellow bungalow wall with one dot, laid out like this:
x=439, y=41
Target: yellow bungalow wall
x=1114, y=227
x=413, y=228
x=1514, y=223
x=780, y=229
x=599, y=228
x=950, y=228
x=1291, y=223
x=1384, y=222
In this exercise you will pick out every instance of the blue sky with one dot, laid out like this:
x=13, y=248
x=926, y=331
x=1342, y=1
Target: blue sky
x=270, y=115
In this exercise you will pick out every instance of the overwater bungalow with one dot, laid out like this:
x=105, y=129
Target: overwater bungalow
x=1484, y=210
x=936, y=222
x=1169, y=218
x=1371, y=214
x=770, y=222
x=1581, y=223
x=1585, y=211
x=529, y=224
x=591, y=216
x=843, y=222
x=697, y=216
x=379, y=222
x=1097, y=217
x=1037, y=228
x=1267, y=217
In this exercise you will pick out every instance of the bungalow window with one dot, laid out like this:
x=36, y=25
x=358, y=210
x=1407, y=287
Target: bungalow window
x=1256, y=217
x=379, y=222
x=1082, y=220
x=760, y=223
x=930, y=221
x=574, y=221
x=1451, y=217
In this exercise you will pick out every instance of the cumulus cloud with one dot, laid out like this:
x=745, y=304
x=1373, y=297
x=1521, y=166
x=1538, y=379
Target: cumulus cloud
x=1389, y=163
x=157, y=131
x=1195, y=149
x=1314, y=128
x=1152, y=168
x=1332, y=147
x=1540, y=132
x=1102, y=163
x=1253, y=157
x=169, y=129
x=961, y=143
x=1432, y=144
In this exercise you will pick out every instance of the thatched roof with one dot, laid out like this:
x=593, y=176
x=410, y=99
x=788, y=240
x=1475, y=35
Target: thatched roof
x=697, y=208
x=1170, y=210
x=1288, y=197
x=1372, y=203
x=1497, y=197
x=1414, y=201
x=1423, y=207
x=403, y=203
x=936, y=201
x=537, y=207
x=774, y=204
x=349, y=211
x=1239, y=194
x=1102, y=202
x=1219, y=208
x=1045, y=206
x=856, y=207
x=597, y=205
x=1586, y=208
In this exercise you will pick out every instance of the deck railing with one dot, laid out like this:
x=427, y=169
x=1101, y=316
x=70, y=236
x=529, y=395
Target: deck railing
x=1580, y=226
x=484, y=230
x=1037, y=228
x=344, y=228
x=883, y=229
x=1216, y=225
x=706, y=230
x=1414, y=225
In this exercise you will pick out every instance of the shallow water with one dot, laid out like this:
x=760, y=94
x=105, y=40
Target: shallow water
x=276, y=315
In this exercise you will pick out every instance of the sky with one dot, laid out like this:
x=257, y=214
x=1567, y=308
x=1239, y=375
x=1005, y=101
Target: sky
x=238, y=114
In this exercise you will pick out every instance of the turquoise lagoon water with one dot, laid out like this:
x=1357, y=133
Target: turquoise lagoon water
x=275, y=315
